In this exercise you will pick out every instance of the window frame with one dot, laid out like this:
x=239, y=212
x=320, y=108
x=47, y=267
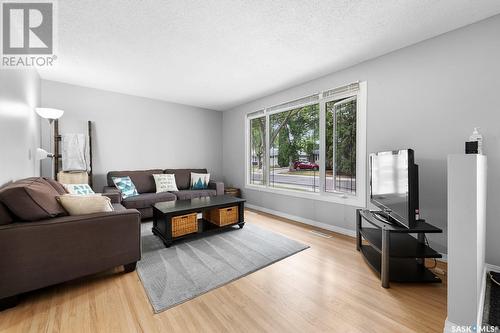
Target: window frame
x=248, y=150
x=359, y=199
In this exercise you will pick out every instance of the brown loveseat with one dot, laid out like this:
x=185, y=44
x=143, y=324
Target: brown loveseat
x=145, y=185
x=41, y=245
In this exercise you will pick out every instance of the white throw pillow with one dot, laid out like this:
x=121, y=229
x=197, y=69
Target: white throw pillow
x=79, y=189
x=85, y=204
x=199, y=181
x=165, y=183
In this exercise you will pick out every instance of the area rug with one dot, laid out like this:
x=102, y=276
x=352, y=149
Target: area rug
x=188, y=269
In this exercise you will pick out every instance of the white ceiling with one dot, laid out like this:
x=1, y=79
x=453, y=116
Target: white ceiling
x=218, y=54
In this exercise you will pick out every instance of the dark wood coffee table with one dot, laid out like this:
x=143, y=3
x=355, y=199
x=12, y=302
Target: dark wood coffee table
x=163, y=212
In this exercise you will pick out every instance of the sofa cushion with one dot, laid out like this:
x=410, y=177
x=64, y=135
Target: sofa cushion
x=191, y=194
x=142, y=179
x=183, y=176
x=117, y=207
x=56, y=185
x=32, y=199
x=5, y=216
x=146, y=200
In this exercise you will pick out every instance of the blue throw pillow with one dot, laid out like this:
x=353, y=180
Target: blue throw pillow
x=125, y=185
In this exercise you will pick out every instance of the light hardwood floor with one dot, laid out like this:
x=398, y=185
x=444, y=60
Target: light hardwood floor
x=327, y=288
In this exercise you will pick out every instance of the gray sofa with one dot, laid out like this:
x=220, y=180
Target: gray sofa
x=42, y=245
x=145, y=185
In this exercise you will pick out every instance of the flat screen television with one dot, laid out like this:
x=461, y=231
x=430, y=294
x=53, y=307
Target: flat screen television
x=394, y=186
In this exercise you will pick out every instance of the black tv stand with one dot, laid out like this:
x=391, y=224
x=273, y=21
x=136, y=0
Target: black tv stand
x=383, y=217
x=392, y=251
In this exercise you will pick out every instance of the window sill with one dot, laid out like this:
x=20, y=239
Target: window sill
x=342, y=199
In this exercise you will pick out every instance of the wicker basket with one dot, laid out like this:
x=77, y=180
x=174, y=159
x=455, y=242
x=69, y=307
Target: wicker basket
x=184, y=224
x=222, y=216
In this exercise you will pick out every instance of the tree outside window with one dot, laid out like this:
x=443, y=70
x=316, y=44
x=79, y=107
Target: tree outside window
x=285, y=148
x=340, y=150
x=294, y=149
x=257, y=150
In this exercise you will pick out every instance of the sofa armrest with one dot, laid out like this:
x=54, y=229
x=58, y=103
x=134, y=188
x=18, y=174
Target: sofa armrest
x=218, y=186
x=113, y=193
x=42, y=253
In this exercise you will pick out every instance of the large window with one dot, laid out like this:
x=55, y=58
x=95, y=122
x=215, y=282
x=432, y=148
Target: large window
x=314, y=146
x=294, y=149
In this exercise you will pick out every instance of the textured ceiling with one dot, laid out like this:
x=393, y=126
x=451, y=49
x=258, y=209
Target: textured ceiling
x=218, y=54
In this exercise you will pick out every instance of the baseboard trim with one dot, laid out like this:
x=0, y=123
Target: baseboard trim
x=329, y=227
x=449, y=327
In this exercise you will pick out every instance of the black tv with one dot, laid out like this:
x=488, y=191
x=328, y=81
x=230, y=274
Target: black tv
x=394, y=186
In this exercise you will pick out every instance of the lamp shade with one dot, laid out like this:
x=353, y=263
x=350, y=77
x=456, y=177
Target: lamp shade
x=42, y=154
x=49, y=113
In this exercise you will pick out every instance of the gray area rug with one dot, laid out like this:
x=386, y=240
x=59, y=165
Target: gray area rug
x=188, y=269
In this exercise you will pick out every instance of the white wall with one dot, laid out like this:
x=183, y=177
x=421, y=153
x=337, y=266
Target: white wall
x=428, y=97
x=138, y=133
x=19, y=124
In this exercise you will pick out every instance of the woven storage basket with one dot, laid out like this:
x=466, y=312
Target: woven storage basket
x=222, y=216
x=184, y=224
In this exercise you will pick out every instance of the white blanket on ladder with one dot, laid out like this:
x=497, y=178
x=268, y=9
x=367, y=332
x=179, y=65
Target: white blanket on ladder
x=75, y=152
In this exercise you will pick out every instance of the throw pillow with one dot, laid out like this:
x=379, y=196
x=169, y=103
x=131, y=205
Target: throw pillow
x=199, y=181
x=79, y=189
x=165, y=183
x=56, y=185
x=31, y=199
x=125, y=185
x=85, y=204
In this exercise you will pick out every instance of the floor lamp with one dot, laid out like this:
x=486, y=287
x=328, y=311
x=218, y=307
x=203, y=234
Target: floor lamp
x=50, y=114
x=42, y=154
